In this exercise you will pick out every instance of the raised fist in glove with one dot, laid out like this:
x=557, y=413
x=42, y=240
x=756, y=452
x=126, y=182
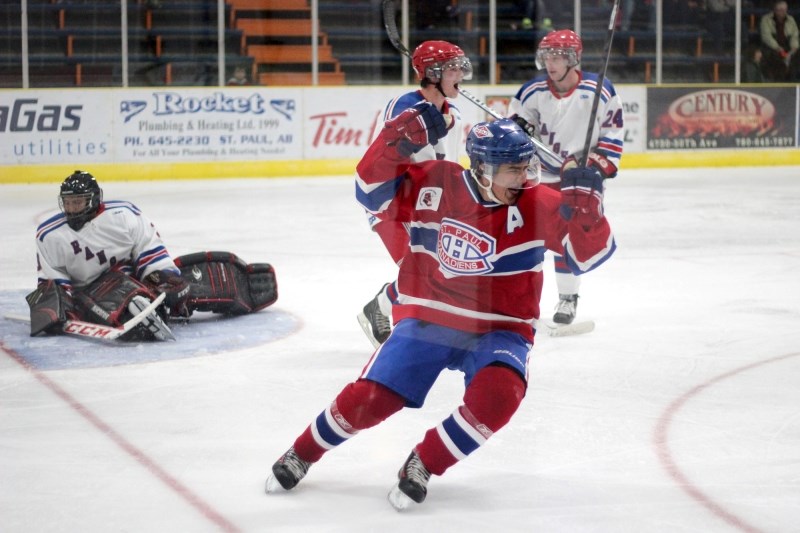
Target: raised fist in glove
x=582, y=196
x=174, y=286
x=415, y=128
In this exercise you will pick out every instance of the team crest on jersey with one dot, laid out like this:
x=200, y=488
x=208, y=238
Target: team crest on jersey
x=429, y=198
x=463, y=250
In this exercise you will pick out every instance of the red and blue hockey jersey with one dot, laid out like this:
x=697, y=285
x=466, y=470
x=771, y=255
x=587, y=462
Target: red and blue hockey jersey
x=472, y=264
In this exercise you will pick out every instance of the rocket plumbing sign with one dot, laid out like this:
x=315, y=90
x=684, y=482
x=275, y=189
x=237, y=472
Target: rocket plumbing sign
x=714, y=117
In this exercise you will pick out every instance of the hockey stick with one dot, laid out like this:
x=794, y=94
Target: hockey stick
x=564, y=330
x=392, y=32
x=90, y=330
x=601, y=77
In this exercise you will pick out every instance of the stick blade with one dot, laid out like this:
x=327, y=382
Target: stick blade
x=564, y=330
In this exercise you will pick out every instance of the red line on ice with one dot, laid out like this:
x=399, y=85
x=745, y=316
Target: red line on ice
x=150, y=465
x=661, y=440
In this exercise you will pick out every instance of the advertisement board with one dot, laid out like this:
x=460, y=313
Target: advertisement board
x=721, y=117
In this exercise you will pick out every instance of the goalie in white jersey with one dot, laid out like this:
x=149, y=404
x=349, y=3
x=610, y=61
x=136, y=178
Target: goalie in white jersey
x=103, y=263
x=555, y=109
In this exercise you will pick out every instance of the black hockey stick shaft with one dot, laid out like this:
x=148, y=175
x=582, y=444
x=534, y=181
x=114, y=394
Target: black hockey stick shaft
x=392, y=32
x=601, y=77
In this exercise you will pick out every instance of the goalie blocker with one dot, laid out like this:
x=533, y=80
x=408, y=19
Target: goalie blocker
x=223, y=283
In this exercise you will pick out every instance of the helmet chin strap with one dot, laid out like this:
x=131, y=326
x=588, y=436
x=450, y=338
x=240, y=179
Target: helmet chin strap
x=487, y=189
x=566, y=73
x=439, y=88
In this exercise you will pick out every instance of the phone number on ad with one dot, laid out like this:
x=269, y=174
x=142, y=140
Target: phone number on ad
x=182, y=140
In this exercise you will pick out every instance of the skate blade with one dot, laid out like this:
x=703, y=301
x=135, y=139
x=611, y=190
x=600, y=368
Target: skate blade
x=398, y=499
x=273, y=485
x=367, y=327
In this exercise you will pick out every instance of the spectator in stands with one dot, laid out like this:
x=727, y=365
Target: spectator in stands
x=239, y=77
x=751, y=68
x=720, y=20
x=533, y=11
x=780, y=39
x=629, y=7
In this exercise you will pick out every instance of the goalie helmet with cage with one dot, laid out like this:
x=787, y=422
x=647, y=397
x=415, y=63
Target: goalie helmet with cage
x=80, y=198
x=491, y=144
x=561, y=43
x=432, y=58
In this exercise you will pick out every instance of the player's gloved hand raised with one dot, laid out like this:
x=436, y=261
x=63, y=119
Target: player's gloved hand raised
x=176, y=288
x=526, y=126
x=582, y=196
x=415, y=128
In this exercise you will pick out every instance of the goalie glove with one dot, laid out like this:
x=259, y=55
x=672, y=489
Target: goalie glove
x=415, y=128
x=526, y=126
x=176, y=288
x=582, y=196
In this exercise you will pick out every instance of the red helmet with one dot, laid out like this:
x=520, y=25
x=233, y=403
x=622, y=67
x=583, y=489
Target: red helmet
x=561, y=42
x=431, y=57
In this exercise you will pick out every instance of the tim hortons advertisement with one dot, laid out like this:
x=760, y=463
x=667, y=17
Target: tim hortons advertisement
x=719, y=117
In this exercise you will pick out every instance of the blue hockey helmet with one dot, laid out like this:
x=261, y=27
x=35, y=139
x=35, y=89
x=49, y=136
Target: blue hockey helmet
x=80, y=198
x=498, y=142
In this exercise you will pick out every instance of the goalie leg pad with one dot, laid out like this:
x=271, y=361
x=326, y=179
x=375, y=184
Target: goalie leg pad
x=222, y=283
x=49, y=305
x=106, y=301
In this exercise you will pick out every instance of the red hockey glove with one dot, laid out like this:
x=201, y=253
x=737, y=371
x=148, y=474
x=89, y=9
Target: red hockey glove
x=582, y=196
x=175, y=287
x=415, y=128
x=607, y=169
x=526, y=126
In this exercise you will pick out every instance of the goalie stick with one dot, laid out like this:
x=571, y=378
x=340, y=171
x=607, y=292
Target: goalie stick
x=392, y=32
x=90, y=330
x=601, y=78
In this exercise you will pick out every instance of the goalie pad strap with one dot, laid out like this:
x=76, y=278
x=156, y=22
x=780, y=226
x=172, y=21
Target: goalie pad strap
x=49, y=304
x=222, y=283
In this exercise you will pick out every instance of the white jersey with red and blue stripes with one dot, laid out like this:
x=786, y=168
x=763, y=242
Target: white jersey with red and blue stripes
x=119, y=237
x=472, y=265
x=561, y=120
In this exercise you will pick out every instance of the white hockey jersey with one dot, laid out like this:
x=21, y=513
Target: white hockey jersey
x=118, y=237
x=561, y=121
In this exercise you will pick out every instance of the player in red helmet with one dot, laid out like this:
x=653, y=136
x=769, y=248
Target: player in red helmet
x=440, y=66
x=555, y=108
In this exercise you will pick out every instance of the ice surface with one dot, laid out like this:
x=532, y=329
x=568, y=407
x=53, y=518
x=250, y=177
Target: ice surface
x=680, y=412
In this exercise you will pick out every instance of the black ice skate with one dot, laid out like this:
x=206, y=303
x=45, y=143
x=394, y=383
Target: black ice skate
x=412, y=485
x=566, y=309
x=287, y=472
x=375, y=324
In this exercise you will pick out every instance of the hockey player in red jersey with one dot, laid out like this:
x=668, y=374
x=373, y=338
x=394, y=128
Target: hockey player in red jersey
x=477, y=242
x=440, y=67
